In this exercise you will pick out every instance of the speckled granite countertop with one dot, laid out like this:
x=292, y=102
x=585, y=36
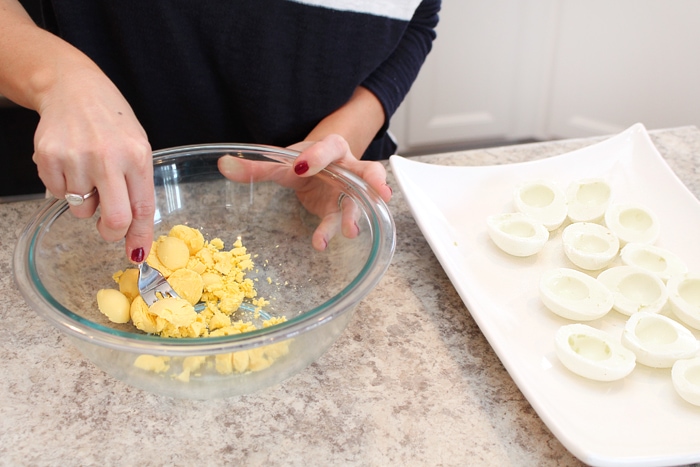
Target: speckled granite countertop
x=412, y=381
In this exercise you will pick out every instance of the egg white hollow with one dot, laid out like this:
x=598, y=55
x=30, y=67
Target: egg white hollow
x=657, y=260
x=684, y=296
x=592, y=353
x=517, y=234
x=574, y=295
x=685, y=376
x=590, y=246
x=657, y=340
x=542, y=200
x=635, y=289
x=632, y=222
x=588, y=199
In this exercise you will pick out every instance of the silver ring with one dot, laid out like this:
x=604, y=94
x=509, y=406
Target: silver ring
x=341, y=197
x=75, y=199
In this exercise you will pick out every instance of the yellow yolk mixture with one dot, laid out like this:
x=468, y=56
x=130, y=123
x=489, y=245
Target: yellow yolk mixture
x=202, y=273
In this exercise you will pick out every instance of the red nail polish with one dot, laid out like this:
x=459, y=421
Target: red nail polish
x=301, y=168
x=137, y=255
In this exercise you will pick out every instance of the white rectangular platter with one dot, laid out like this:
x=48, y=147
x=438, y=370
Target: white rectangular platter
x=639, y=420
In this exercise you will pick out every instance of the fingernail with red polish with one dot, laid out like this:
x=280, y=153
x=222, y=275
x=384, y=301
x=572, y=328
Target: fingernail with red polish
x=137, y=255
x=301, y=168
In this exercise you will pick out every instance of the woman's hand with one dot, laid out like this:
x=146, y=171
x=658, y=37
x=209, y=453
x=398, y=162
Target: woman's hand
x=88, y=137
x=316, y=196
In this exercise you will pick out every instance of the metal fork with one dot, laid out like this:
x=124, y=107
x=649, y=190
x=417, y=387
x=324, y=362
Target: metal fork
x=151, y=283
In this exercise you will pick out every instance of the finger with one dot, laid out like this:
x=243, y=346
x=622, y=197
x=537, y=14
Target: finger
x=115, y=215
x=139, y=236
x=350, y=217
x=125, y=177
x=374, y=173
x=335, y=149
x=50, y=174
x=65, y=178
x=247, y=171
x=314, y=158
x=326, y=230
x=61, y=177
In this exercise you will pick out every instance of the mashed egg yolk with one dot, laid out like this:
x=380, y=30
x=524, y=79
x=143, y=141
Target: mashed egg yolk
x=205, y=274
x=200, y=271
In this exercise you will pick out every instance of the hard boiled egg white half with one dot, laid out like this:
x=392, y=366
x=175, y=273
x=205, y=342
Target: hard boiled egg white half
x=686, y=379
x=517, y=234
x=592, y=353
x=542, y=200
x=684, y=296
x=589, y=246
x=632, y=223
x=657, y=340
x=588, y=199
x=575, y=295
x=635, y=289
x=657, y=260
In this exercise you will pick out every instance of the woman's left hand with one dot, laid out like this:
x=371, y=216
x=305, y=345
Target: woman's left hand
x=317, y=196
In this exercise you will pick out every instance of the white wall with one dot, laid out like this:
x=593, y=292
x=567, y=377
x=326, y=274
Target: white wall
x=513, y=69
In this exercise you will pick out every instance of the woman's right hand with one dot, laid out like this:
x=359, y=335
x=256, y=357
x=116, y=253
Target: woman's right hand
x=88, y=137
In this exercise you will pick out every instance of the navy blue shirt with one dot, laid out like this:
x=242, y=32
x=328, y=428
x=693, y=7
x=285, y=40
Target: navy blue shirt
x=256, y=71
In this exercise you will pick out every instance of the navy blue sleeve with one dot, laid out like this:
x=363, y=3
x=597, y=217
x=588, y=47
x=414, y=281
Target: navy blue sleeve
x=391, y=81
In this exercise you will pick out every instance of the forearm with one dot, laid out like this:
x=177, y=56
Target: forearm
x=393, y=78
x=32, y=60
x=358, y=121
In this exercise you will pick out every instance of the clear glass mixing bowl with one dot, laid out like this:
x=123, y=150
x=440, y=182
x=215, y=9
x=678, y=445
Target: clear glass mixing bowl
x=60, y=263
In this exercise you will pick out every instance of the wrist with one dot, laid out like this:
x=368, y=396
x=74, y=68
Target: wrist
x=358, y=121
